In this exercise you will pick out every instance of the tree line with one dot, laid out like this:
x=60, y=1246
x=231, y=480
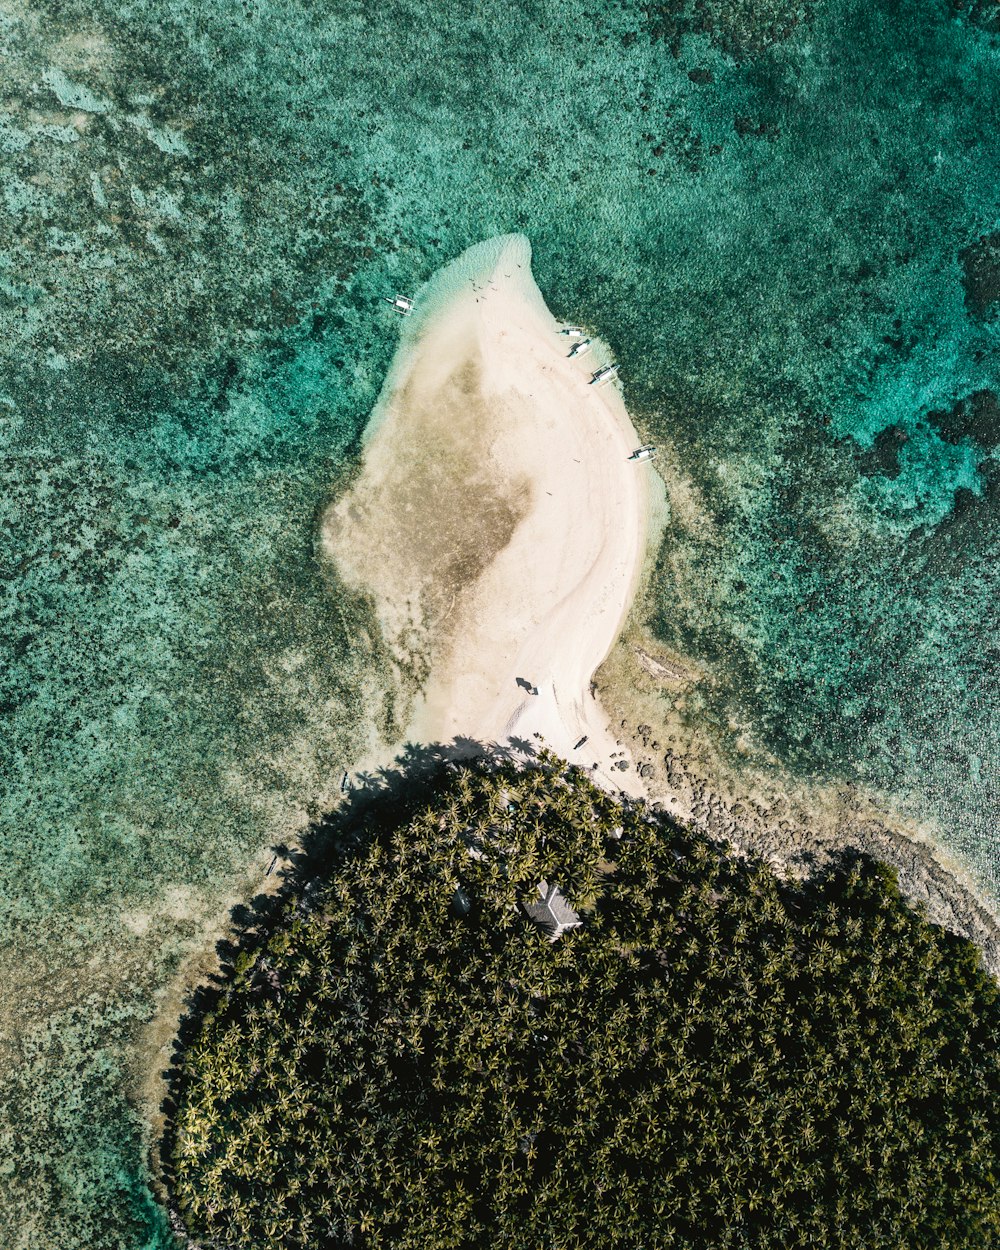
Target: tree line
x=715, y=1058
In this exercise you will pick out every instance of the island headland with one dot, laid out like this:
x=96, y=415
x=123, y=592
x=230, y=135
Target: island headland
x=502, y=529
x=505, y=539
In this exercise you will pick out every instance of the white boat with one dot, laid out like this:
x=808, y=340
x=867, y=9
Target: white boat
x=644, y=453
x=580, y=347
x=604, y=375
x=402, y=303
x=573, y=332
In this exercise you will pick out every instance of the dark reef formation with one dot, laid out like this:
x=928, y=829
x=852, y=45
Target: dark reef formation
x=743, y=29
x=981, y=274
x=883, y=455
x=976, y=417
x=982, y=13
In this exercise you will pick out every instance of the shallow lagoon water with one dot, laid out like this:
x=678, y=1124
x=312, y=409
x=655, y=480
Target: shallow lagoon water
x=203, y=205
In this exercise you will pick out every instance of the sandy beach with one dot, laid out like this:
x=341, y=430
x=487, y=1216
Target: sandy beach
x=502, y=534
x=498, y=522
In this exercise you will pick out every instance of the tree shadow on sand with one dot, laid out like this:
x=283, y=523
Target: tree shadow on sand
x=383, y=798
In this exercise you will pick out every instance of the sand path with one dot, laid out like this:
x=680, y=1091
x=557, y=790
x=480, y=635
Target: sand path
x=497, y=521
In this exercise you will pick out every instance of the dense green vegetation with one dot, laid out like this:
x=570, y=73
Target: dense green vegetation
x=714, y=1058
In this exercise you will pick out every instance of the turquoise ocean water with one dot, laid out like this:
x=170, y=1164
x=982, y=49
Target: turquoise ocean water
x=779, y=215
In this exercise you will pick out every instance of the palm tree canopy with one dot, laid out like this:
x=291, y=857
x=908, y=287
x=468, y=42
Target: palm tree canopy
x=712, y=1058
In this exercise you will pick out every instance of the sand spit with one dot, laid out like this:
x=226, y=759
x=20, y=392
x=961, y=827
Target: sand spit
x=497, y=522
x=502, y=534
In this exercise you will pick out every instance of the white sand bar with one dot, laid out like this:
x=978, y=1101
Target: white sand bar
x=497, y=521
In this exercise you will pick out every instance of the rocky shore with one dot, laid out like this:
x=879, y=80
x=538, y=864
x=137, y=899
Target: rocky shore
x=797, y=833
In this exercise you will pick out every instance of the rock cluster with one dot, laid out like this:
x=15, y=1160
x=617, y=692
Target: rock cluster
x=770, y=827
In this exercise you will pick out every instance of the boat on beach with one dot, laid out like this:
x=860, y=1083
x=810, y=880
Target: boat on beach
x=604, y=374
x=646, y=452
x=573, y=332
x=402, y=304
x=578, y=348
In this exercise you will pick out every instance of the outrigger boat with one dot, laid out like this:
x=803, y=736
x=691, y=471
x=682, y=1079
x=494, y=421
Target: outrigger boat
x=579, y=348
x=604, y=375
x=573, y=332
x=644, y=453
x=402, y=303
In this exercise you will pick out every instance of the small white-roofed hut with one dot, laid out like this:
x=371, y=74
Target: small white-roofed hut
x=552, y=911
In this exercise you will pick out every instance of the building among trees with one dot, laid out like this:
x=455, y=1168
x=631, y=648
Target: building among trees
x=552, y=911
x=716, y=1058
